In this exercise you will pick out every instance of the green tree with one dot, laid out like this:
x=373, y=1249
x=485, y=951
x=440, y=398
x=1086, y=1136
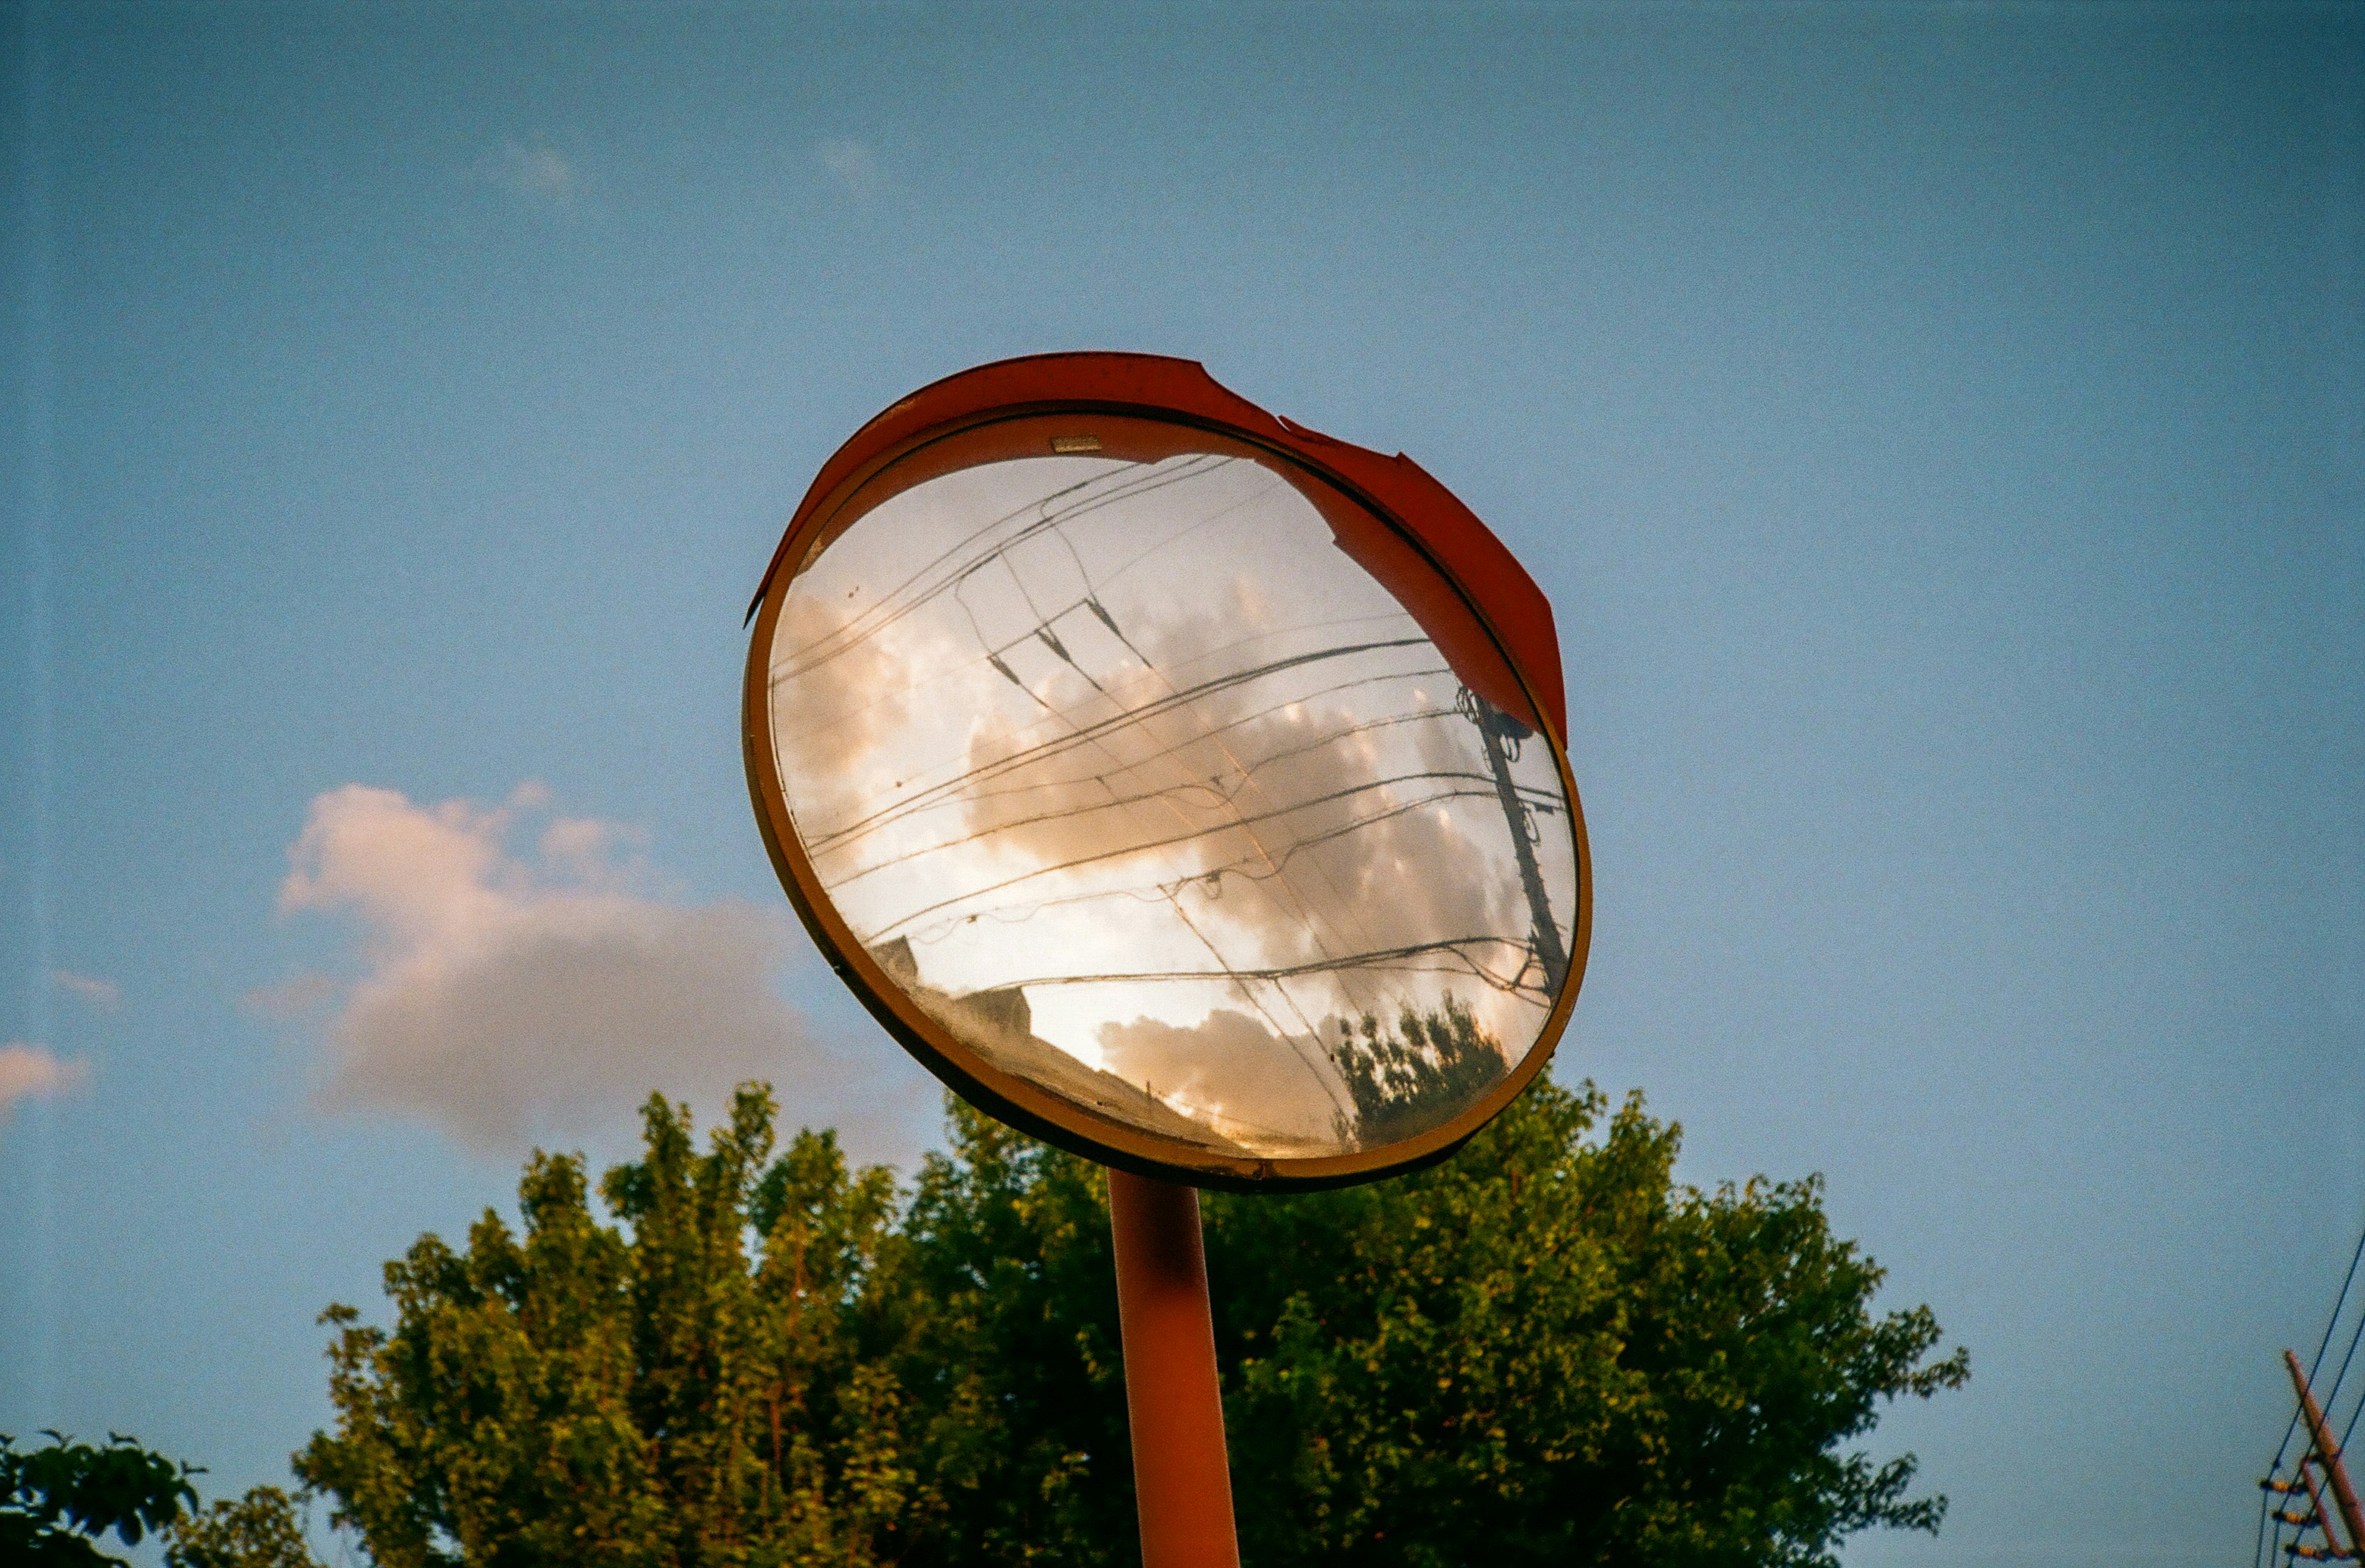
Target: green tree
x=261, y=1530
x=996, y=1302
x=657, y=1391
x=1546, y=1350
x=1542, y=1350
x=58, y=1501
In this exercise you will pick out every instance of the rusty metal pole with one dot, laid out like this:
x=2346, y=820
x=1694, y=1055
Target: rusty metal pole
x=1182, y=1479
x=2344, y=1496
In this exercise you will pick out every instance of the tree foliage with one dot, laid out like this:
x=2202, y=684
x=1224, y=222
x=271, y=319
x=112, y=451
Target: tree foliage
x=261, y=1530
x=58, y=1501
x=1547, y=1352
x=1542, y=1350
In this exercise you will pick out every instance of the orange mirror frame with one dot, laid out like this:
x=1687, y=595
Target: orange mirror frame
x=1471, y=598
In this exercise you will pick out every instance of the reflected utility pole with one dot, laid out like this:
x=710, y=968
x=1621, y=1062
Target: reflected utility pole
x=1502, y=735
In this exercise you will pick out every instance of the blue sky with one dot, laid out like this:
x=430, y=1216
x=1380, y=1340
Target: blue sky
x=1941, y=431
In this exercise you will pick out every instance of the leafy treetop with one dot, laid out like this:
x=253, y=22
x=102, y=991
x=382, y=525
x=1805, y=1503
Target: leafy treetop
x=1543, y=1351
x=261, y=1530
x=58, y=1501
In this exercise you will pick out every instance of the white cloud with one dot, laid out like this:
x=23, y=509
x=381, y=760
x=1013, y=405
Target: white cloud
x=530, y=168
x=102, y=994
x=852, y=165
x=586, y=850
x=28, y=1070
x=506, y=998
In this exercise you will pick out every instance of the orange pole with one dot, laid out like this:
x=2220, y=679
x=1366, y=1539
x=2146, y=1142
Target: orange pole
x=1181, y=1481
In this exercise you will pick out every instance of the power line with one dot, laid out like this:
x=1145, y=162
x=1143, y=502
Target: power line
x=930, y=579
x=1044, y=631
x=1144, y=847
x=943, y=791
x=2321, y=1345
x=1239, y=822
x=1097, y=730
x=1376, y=958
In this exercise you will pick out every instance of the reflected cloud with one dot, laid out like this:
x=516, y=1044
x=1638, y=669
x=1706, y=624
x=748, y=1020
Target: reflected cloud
x=1232, y=1068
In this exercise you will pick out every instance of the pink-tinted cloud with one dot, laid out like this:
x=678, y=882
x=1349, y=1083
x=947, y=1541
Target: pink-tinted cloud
x=30, y=1071
x=505, y=997
x=102, y=994
x=1232, y=1066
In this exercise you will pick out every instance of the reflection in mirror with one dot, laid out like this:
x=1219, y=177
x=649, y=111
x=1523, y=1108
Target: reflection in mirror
x=1148, y=794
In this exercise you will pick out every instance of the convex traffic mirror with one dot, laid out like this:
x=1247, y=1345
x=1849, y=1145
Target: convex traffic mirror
x=1182, y=787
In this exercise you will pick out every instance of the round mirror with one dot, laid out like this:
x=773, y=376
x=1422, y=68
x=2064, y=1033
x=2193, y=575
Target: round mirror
x=1164, y=794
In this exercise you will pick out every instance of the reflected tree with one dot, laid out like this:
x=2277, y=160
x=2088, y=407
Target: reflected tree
x=1405, y=1079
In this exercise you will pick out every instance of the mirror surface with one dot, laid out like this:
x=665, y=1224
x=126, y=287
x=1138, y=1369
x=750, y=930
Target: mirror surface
x=1148, y=793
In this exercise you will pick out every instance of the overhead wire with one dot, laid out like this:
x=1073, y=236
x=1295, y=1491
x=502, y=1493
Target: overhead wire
x=2328, y=1400
x=1203, y=736
x=1072, y=781
x=852, y=714
x=1125, y=851
x=1098, y=732
x=1384, y=958
x=1145, y=716
x=940, y=792
x=1304, y=910
x=1240, y=823
x=2356, y=1256
x=1087, y=734
x=930, y=579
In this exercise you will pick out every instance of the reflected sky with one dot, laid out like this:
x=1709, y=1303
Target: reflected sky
x=1149, y=793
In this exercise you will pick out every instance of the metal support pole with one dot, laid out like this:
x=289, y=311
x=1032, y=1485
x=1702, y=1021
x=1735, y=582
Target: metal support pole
x=1182, y=1480
x=2352, y=1518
